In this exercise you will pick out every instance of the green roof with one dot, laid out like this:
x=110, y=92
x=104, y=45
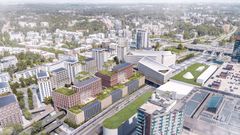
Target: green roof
x=83, y=76
x=76, y=109
x=65, y=91
x=193, y=70
x=116, y=120
x=106, y=72
x=107, y=91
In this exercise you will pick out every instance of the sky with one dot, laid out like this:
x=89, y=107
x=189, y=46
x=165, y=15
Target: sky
x=115, y=1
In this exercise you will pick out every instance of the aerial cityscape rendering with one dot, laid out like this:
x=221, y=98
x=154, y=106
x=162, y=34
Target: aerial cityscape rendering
x=130, y=67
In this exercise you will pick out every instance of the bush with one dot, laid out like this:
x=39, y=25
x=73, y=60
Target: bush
x=30, y=100
x=71, y=123
x=27, y=114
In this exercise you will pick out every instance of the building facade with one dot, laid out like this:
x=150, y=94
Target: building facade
x=98, y=55
x=121, y=52
x=59, y=77
x=89, y=65
x=73, y=67
x=44, y=85
x=82, y=92
x=236, y=49
x=10, y=112
x=160, y=116
x=141, y=39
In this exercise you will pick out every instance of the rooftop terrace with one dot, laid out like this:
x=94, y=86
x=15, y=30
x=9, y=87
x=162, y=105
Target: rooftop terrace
x=65, y=91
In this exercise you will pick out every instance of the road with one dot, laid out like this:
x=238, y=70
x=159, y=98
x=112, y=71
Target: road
x=89, y=127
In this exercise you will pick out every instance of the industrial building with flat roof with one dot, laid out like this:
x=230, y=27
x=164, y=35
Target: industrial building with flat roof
x=225, y=80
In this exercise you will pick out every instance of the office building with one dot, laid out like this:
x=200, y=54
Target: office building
x=80, y=93
x=44, y=85
x=141, y=39
x=236, y=49
x=154, y=71
x=159, y=117
x=59, y=77
x=10, y=112
x=98, y=55
x=120, y=73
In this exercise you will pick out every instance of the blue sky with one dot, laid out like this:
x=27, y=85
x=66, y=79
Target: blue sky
x=113, y=1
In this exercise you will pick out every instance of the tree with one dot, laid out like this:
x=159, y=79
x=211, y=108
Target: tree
x=157, y=46
x=180, y=46
x=116, y=60
x=48, y=100
x=37, y=127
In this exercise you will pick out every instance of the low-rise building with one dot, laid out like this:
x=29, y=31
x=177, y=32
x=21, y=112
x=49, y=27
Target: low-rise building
x=10, y=112
x=4, y=87
x=7, y=62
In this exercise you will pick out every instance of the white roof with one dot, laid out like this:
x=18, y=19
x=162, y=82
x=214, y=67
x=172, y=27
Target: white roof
x=207, y=73
x=188, y=75
x=150, y=53
x=179, y=88
x=154, y=65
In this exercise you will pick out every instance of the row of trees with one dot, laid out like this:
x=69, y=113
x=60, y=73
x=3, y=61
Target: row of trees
x=30, y=99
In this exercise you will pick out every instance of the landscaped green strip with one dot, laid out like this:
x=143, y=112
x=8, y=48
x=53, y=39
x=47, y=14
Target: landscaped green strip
x=126, y=113
x=191, y=69
x=65, y=91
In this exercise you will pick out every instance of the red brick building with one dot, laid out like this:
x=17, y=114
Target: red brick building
x=80, y=92
x=119, y=74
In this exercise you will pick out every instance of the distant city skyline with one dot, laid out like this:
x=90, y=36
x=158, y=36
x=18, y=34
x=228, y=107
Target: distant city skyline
x=116, y=1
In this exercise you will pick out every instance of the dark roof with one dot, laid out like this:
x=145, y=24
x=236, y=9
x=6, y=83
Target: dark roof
x=42, y=74
x=71, y=61
x=6, y=100
x=3, y=84
x=215, y=101
x=59, y=70
x=89, y=59
x=85, y=82
x=120, y=66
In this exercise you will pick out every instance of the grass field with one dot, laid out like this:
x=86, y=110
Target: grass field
x=192, y=69
x=116, y=120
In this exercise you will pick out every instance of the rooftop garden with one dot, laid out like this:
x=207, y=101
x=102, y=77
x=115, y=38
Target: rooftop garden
x=77, y=109
x=193, y=70
x=136, y=75
x=65, y=91
x=82, y=59
x=116, y=120
x=107, y=91
x=83, y=76
x=106, y=72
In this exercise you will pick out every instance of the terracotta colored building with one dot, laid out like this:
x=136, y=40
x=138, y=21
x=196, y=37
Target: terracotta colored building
x=119, y=73
x=81, y=91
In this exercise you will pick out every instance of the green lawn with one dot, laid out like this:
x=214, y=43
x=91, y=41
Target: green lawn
x=116, y=120
x=192, y=69
x=65, y=91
